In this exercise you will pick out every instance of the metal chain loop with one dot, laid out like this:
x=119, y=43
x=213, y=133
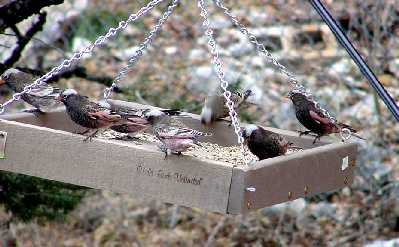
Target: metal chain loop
x=297, y=86
x=221, y=75
x=140, y=51
x=78, y=55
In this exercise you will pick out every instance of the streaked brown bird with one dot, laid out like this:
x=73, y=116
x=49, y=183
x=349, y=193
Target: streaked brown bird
x=215, y=106
x=89, y=114
x=263, y=143
x=313, y=119
x=140, y=119
x=43, y=98
x=176, y=137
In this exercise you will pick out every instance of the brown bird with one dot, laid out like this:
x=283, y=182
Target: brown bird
x=176, y=137
x=313, y=119
x=89, y=114
x=215, y=106
x=43, y=98
x=263, y=143
x=140, y=119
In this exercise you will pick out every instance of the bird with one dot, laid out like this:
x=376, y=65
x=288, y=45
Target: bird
x=215, y=106
x=43, y=98
x=314, y=120
x=263, y=143
x=140, y=119
x=89, y=114
x=176, y=137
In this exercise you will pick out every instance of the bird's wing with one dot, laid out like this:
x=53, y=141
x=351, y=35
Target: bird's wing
x=45, y=91
x=319, y=117
x=104, y=115
x=96, y=111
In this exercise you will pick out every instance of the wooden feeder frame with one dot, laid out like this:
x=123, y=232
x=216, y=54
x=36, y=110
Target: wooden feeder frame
x=45, y=147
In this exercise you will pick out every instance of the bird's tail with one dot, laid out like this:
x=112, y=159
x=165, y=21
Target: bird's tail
x=345, y=126
x=172, y=112
x=353, y=131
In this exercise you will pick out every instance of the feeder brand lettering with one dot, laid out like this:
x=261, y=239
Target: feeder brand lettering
x=176, y=177
x=145, y=171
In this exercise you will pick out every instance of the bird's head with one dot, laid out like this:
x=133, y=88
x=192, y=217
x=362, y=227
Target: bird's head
x=67, y=93
x=247, y=131
x=154, y=116
x=296, y=96
x=14, y=78
x=247, y=93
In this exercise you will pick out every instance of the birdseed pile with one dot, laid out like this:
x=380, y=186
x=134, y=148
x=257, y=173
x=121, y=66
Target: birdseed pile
x=204, y=150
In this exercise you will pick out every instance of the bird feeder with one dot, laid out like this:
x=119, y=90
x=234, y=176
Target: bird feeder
x=45, y=146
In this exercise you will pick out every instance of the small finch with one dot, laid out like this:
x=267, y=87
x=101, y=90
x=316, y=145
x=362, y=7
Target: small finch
x=175, y=137
x=313, y=119
x=140, y=119
x=89, y=114
x=43, y=98
x=263, y=143
x=215, y=106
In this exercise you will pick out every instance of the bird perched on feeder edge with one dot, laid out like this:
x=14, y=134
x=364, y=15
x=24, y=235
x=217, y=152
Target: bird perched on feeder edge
x=43, y=98
x=88, y=114
x=314, y=120
x=140, y=119
x=215, y=106
x=175, y=137
x=263, y=143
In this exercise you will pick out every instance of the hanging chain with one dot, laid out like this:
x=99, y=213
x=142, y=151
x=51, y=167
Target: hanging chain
x=140, y=51
x=298, y=87
x=78, y=55
x=223, y=82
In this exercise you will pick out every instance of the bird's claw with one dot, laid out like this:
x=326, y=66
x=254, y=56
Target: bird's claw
x=35, y=111
x=302, y=133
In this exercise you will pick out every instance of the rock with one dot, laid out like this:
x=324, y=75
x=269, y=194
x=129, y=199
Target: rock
x=383, y=243
x=323, y=209
x=79, y=43
x=343, y=66
x=394, y=67
x=220, y=23
x=240, y=49
x=294, y=208
x=171, y=50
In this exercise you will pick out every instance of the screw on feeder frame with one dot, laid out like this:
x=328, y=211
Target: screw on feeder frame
x=290, y=195
x=306, y=190
x=250, y=189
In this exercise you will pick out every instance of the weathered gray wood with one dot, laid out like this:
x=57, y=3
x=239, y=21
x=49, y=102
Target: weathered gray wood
x=292, y=176
x=142, y=172
x=139, y=170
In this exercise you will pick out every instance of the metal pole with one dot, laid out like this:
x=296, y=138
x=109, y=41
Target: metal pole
x=364, y=68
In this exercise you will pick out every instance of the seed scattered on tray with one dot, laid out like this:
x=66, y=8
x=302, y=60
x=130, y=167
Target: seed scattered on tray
x=204, y=150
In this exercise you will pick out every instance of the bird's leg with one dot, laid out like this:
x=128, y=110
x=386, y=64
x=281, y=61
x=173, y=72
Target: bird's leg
x=35, y=111
x=90, y=137
x=317, y=138
x=83, y=132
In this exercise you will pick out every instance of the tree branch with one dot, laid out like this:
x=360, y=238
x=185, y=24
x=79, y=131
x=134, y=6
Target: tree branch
x=23, y=40
x=15, y=11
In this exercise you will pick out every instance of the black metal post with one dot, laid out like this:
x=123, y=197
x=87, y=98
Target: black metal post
x=364, y=68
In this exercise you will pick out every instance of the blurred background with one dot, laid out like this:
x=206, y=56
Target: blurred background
x=175, y=72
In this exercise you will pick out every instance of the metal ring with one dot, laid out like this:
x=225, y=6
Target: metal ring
x=346, y=134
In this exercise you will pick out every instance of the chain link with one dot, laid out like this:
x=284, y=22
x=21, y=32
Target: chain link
x=140, y=51
x=298, y=87
x=78, y=55
x=221, y=75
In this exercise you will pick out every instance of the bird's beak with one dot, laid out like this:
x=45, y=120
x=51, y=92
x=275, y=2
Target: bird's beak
x=2, y=82
x=60, y=98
